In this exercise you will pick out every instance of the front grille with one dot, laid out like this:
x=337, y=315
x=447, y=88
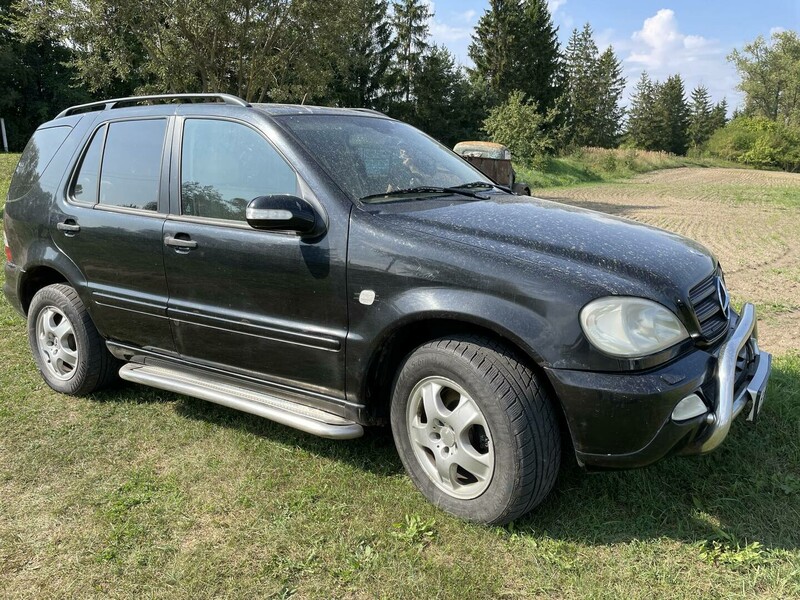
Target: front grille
x=711, y=315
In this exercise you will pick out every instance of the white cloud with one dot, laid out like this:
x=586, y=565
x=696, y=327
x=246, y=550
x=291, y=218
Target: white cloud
x=447, y=34
x=454, y=30
x=776, y=30
x=662, y=49
x=554, y=5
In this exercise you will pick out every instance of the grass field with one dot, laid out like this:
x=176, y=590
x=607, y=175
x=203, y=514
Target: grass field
x=135, y=492
x=598, y=165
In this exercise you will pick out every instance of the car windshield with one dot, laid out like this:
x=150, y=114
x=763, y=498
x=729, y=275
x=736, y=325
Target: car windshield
x=369, y=157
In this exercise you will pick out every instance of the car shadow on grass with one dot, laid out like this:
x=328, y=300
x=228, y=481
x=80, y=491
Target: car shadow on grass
x=748, y=490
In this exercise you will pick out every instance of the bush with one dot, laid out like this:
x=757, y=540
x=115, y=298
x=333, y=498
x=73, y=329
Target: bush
x=518, y=124
x=759, y=142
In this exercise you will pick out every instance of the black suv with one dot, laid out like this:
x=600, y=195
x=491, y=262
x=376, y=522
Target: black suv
x=332, y=269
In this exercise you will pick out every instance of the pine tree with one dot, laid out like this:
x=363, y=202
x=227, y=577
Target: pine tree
x=593, y=89
x=673, y=111
x=609, y=110
x=539, y=56
x=444, y=104
x=361, y=75
x=515, y=48
x=581, y=83
x=719, y=115
x=642, y=123
x=700, y=124
x=494, y=49
x=410, y=22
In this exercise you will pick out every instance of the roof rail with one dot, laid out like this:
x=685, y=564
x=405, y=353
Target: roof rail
x=113, y=103
x=370, y=110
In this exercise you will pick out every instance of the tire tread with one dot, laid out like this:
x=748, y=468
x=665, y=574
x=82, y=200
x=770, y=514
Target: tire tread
x=530, y=411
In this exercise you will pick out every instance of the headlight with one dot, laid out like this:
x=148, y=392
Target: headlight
x=630, y=327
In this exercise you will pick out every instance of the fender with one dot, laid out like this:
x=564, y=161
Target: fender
x=42, y=253
x=370, y=334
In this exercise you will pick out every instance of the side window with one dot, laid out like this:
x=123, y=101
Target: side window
x=38, y=153
x=131, y=168
x=224, y=165
x=85, y=187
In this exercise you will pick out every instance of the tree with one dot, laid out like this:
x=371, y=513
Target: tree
x=519, y=124
x=701, y=125
x=609, y=111
x=494, y=49
x=361, y=74
x=770, y=76
x=261, y=50
x=35, y=81
x=593, y=89
x=719, y=115
x=410, y=22
x=539, y=57
x=658, y=118
x=515, y=47
x=444, y=103
x=672, y=108
x=643, y=124
x=581, y=83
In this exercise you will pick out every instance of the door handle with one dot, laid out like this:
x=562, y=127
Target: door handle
x=69, y=227
x=180, y=243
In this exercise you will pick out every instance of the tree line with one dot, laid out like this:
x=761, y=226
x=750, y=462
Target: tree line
x=364, y=53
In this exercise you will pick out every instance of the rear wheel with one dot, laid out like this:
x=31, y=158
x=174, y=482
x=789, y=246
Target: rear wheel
x=476, y=432
x=69, y=352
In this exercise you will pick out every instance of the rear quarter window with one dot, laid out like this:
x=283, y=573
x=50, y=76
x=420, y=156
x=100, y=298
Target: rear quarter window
x=38, y=153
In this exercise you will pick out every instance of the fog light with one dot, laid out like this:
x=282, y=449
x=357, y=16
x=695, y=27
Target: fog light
x=690, y=407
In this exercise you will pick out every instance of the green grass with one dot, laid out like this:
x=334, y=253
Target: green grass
x=8, y=163
x=136, y=492
x=596, y=165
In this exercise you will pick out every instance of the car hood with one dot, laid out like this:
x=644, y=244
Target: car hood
x=527, y=228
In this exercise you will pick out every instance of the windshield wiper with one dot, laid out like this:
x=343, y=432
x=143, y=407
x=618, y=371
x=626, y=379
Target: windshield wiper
x=485, y=184
x=427, y=189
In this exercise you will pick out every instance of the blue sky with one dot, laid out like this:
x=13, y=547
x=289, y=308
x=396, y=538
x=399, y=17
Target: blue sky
x=690, y=37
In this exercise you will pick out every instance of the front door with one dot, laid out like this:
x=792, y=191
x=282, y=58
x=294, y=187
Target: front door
x=267, y=304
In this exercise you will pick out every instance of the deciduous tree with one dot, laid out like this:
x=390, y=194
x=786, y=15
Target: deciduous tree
x=770, y=76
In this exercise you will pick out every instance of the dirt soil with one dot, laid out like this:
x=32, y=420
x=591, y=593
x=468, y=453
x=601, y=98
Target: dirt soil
x=749, y=219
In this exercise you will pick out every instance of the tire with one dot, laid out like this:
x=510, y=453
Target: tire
x=69, y=352
x=476, y=432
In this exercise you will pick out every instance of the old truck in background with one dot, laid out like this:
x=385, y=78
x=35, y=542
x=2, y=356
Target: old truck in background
x=494, y=161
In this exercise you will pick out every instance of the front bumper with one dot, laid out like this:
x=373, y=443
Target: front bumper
x=625, y=420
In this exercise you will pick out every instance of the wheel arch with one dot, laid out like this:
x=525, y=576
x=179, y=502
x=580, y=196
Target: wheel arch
x=36, y=278
x=397, y=343
x=45, y=265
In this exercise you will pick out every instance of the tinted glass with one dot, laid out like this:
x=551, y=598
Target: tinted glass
x=85, y=188
x=224, y=165
x=367, y=155
x=132, y=164
x=38, y=153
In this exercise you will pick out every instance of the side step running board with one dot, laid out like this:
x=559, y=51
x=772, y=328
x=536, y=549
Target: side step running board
x=305, y=418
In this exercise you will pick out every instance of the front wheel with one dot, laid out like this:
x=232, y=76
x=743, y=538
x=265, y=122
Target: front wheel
x=69, y=352
x=476, y=432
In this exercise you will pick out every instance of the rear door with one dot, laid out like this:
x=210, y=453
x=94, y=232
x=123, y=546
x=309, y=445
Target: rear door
x=110, y=225
x=269, y=304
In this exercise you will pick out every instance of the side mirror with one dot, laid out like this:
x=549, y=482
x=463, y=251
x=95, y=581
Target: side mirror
x=282, y=212
x=521, y=189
